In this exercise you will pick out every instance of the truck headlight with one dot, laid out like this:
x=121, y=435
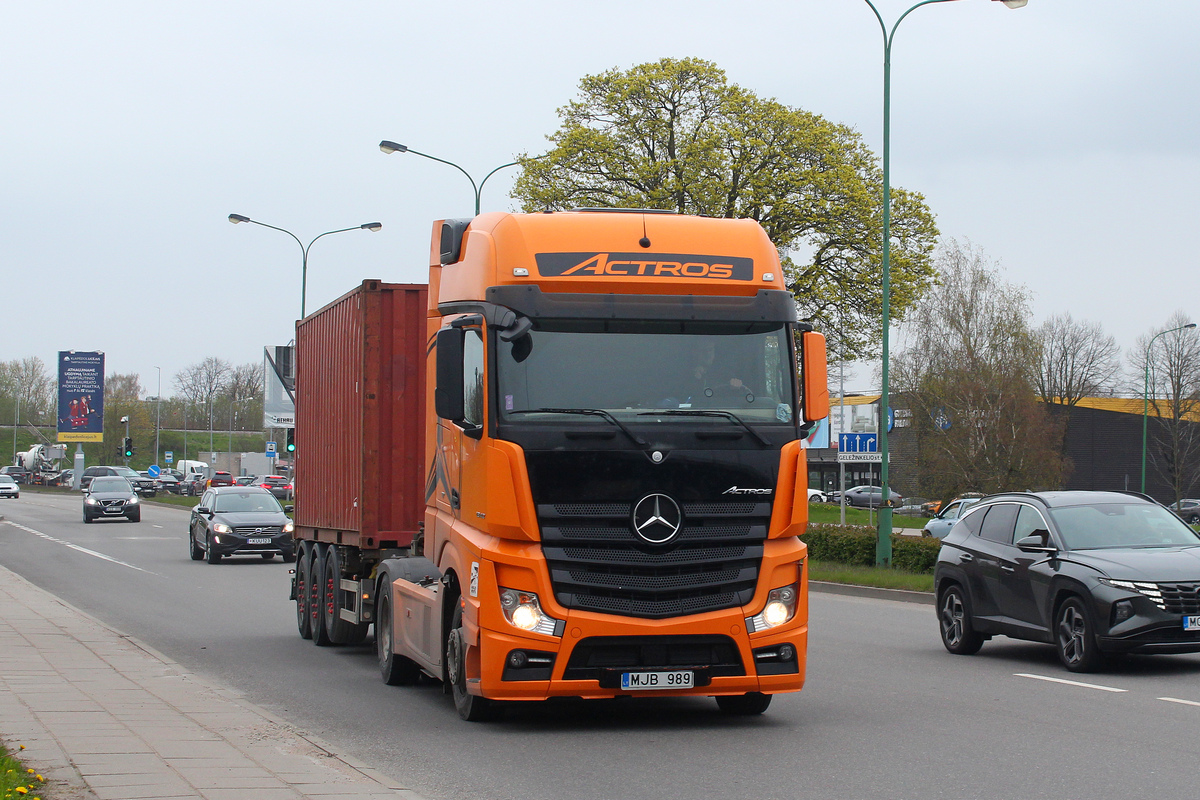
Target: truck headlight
x=780, y=607
x=522, y=610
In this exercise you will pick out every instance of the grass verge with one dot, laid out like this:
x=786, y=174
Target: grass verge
x=877, y=577
x=832, y=513
x=16, y=781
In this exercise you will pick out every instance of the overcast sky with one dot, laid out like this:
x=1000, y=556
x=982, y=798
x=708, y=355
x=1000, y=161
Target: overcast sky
x=1060, y=138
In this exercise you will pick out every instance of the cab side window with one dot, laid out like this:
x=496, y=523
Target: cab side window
x=473, y=377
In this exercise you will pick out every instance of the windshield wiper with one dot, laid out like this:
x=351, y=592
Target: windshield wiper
x=588, y=412
x=695, y=412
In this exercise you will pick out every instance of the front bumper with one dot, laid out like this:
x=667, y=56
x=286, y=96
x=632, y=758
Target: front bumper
x=1151, y=629
x=236, y=544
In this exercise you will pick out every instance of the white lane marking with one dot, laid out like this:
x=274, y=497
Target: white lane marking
x=158, y=526
x=1181, y=702
x=1069, y=683
x=50, y=538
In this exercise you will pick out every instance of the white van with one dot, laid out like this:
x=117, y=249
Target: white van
x=192, y=467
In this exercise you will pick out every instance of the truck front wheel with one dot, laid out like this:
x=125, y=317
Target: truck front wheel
x=743, y=705
x=470, y=707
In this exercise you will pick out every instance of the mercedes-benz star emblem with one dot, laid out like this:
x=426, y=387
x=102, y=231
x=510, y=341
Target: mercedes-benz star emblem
x=657, y=518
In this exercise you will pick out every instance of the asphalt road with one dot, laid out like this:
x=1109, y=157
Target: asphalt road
x=887, y=713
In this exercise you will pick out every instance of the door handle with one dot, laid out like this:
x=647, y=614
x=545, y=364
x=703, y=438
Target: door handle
x=965, y=558
x=1006, y=568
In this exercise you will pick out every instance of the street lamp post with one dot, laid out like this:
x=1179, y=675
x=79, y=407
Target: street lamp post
x=16, y=420
x=157, y=414
x=1146, y=394
x=393, y=147
x=304, y=248
x=883, y=546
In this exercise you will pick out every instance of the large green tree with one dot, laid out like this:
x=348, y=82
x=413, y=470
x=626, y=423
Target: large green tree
x=675, y=134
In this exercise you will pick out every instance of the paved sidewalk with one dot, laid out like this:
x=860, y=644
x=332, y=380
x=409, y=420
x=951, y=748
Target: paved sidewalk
x=102, y=716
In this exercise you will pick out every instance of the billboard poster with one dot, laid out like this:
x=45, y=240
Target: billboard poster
x=80, y=396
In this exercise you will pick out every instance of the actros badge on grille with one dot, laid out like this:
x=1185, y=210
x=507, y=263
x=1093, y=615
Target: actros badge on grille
x=657, y=518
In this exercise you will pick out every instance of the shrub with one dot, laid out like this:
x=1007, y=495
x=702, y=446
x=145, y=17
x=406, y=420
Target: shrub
x=855, y=544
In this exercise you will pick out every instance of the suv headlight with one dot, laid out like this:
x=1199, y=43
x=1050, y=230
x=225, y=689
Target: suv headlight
x=220, y=527
x=90, y=501
x=288, y=527
x=780, y=607
x=522, y=610
x=132, y=501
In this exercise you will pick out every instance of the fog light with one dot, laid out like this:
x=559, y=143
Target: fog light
x=1122, y=610
x=517, y=659
x=786, y=652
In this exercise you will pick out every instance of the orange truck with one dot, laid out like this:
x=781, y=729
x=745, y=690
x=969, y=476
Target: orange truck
x=570, y=465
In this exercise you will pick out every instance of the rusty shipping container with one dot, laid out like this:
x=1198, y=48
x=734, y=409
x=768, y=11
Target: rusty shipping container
x=360, y=436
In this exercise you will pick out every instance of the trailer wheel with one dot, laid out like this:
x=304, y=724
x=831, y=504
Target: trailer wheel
x=316, y=570
x=340, y=631
x=303, y=617
x=396, y=670
x=470, y=707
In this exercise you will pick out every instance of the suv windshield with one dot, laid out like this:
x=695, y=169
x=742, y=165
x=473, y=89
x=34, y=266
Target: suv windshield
x=627, y=367
x=247, y=501
x=1107, y=525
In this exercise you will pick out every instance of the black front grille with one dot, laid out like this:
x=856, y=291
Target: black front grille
x=1181, y=598
x=597, y=563
x=598, y=657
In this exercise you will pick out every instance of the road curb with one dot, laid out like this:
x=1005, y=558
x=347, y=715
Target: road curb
x=902, y=595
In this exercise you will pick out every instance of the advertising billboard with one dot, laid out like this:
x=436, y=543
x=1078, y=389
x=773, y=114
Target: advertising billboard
x=80, y=396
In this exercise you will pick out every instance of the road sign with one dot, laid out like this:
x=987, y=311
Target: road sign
x=271, y=453
x=168, y=456
x=871, y=457
x=153, y=471
x=858, y=443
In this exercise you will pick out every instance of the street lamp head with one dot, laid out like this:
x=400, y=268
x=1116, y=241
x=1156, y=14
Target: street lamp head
x=371, y=226
x=1015, y=3
x=392, y=147
x=236, y=218
x=1190, y=325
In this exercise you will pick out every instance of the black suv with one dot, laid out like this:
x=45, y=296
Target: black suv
x=144, y=486
x=1092, y=573
x=240, y=520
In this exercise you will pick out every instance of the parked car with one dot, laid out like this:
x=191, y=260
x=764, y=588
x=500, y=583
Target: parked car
x=244, y=480
x=1093, y=573
x=194, y=484
x=864, y=496
x=940, y=525
x=18, y=474
x=109, y=497
x=142, y=485
x=912, y=506
x=1188, y=510
x=167, y=483
x=9, y=487
x=240, y=520
x=281, y=487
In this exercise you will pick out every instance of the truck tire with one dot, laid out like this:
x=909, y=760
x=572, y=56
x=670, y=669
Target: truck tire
x=340, y=631
x=743, y=705
x=316, y=571
x=396, y=670
x=303, y=614
x=470, y=707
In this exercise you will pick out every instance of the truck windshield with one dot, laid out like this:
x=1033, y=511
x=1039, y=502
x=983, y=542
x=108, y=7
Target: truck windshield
x=627, y=368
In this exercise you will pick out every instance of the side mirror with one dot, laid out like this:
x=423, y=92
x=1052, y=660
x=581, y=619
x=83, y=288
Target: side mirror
x=288, y=509
x=202, y=510
x=448, y=392
x=816, y=379
x=1037, y=542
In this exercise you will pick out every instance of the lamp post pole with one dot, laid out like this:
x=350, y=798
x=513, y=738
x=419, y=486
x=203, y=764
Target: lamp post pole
x=157, y=414
x=304, y=248
x=16, y=420
x=393, y=147
x=1146, y=394
x=883, y=546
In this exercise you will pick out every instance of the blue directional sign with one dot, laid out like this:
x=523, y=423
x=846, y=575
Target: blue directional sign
x=858, y=442
x=153, y=470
